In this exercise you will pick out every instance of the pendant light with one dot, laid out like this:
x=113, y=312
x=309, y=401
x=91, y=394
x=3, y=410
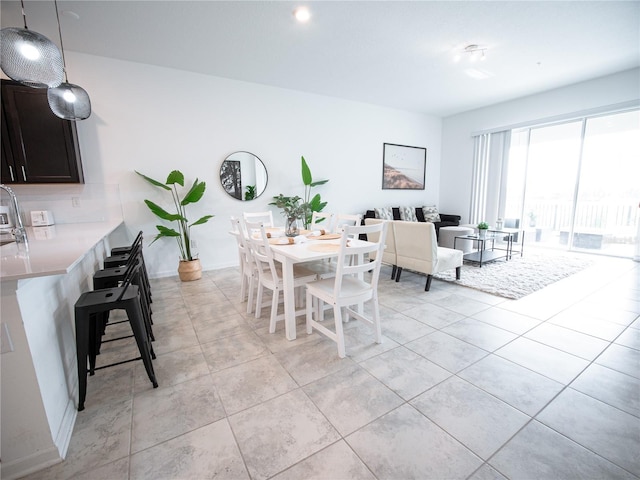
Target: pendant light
x=67, y=100
x=29, y=57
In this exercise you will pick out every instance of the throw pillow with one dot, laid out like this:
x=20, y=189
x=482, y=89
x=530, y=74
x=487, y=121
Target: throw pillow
x=408, y=214
x=396, y=213
x=431, y=213
x=420, y=214
x=385, y=213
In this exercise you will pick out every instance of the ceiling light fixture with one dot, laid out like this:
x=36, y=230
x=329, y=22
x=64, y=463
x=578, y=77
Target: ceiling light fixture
x=302, y=14
x=67, y=100
x=29, y=57
x=474, y=52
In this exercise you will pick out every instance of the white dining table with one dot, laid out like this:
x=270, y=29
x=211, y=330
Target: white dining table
x=288, y=256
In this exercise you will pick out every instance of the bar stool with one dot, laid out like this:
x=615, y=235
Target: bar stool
x=88, y=322
x=120, y=256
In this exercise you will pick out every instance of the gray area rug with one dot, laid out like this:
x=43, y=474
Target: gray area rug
x=519, y=276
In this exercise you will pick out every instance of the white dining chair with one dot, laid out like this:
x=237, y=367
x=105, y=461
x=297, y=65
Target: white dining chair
x=389, y=256
x=355, y=283
x=248, y=269
x=321, y=221
x=344, y=219
x=270, y=272
x=265, y=217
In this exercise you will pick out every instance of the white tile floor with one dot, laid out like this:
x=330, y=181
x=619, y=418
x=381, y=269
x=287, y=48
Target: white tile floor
x=465, y=385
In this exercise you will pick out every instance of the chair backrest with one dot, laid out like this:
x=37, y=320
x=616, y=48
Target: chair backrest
x=352, y=252
x=133, y=267
x=416, y=245
x=389, y=253
x=321, y=220
x=237, y=233
x=265, y=217
x=343, y=219
x=261, y=251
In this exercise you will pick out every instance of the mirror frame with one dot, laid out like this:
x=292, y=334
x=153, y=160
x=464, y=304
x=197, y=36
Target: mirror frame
x=235, y=171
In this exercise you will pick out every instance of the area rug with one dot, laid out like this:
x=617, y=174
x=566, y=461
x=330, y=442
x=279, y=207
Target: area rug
x=519, y=276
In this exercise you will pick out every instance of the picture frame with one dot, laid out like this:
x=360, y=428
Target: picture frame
x=403, y=167
x=231, y=178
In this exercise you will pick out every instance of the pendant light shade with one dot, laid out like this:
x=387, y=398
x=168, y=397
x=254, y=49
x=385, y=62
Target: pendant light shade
x=69, y=101
x=30, y=58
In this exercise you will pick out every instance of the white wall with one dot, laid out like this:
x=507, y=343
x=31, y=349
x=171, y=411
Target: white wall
x=457, y=143
x=155, y=120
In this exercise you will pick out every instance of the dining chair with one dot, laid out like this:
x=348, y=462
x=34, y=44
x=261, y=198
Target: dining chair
x=417, y=249
x=343, y=219
x=355, y=283
x=389, y=256
x=270, y=272
x=248, y=271
x=264, y=217
x=321, y=221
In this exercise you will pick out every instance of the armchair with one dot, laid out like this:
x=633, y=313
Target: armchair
x=417, y=249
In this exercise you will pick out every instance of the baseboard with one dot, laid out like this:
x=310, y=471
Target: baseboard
x=63, y=438
x=27, y=465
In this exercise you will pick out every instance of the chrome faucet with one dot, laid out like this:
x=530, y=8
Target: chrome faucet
x=19, y=232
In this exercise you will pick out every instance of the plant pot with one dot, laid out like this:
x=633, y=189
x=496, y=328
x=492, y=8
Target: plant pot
x=189, y=270
x=482, y=233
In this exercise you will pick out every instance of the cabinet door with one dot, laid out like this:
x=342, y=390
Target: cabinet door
x=8, y=169
x=44, y=147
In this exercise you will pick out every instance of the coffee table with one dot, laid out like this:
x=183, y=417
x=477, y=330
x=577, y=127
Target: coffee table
x=482, y=254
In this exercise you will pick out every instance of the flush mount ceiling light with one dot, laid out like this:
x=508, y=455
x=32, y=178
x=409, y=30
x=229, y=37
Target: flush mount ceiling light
x=472, y=51
x=67, y=100
x=302, y=14
x=29, y=57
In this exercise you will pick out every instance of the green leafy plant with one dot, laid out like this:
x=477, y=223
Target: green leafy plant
x=250, y=194
x=315, y=203
x=291, y=207
x=195, y=193
x=483, y=226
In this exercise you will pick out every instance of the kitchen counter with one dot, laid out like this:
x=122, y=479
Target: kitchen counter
x=52, y=250
x=38, y=372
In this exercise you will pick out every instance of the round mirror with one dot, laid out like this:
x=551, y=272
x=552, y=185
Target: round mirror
x=243, y=176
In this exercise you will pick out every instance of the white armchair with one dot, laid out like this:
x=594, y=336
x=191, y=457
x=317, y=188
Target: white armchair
x=417, y=249
x=389, y=252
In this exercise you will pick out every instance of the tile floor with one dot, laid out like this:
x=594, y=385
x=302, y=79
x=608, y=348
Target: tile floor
x=465, y=385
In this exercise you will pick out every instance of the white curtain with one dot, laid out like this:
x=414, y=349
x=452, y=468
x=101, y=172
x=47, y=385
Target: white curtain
x=488, y=187
x=481, y=150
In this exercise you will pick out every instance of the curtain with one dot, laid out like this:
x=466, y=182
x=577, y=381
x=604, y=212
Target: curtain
x=488, y=188
x=480, y=174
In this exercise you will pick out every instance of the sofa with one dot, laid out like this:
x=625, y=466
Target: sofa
x=415, y=214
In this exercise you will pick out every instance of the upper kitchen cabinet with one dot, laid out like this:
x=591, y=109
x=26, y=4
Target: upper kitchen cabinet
x=37, y=146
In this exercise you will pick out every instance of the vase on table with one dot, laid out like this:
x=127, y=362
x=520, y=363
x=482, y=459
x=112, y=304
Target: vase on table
x=292, y=227
x=482, y=233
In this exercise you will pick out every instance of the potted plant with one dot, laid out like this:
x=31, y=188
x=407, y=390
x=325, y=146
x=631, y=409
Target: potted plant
x=293, y=211
x=315, y=203
x=189, y=267
x=482, y=229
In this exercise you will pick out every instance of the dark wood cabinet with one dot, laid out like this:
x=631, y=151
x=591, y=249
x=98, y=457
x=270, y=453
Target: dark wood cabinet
x=37, y=146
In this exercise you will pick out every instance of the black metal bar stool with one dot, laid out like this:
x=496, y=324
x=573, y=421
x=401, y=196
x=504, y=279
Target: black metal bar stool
x=120, y=256
x=89, y=321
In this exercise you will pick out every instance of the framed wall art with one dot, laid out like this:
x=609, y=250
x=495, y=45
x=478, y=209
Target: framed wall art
x=403, y=167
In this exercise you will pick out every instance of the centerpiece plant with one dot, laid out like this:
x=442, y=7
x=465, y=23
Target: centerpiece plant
x=183, y=233
x=482, y=229
x=292, y=210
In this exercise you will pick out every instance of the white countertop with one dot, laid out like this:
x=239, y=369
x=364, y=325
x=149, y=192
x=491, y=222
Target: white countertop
x=52, y=250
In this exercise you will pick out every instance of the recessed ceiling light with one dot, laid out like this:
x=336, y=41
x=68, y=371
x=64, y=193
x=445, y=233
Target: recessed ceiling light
x=302, y=14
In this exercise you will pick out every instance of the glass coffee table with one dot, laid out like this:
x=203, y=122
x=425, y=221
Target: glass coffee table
x=486, y=249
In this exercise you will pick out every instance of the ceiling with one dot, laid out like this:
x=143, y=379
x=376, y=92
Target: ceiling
x=392, y=53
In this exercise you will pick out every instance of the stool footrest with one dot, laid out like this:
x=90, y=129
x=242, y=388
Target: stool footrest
x=117, y=363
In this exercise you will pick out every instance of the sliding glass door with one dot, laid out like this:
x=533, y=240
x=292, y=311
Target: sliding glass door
x=576, y=185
